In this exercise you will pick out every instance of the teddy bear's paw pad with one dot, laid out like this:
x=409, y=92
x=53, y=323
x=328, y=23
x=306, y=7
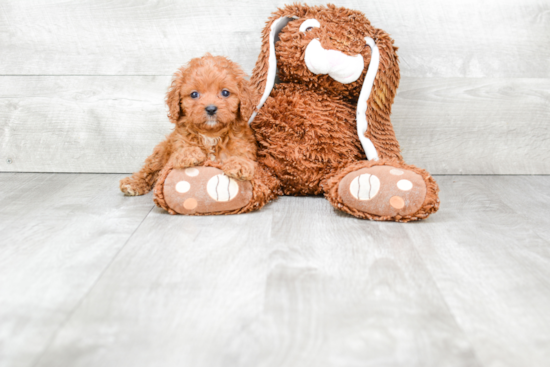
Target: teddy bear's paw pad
x=204, y=190
x=383, y=191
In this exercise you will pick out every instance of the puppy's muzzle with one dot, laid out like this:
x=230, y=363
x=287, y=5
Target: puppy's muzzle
x=211, y=110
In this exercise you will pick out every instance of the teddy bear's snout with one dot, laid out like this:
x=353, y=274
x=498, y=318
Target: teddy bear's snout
x=339, y=66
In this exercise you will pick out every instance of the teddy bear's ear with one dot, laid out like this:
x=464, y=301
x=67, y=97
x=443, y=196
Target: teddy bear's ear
x=265, y=71
x=361, y=112
x=376, y=98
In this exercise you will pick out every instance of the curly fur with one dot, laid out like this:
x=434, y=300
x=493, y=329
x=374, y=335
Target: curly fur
x=306, y=129
x=343, y=30
x=197, y=138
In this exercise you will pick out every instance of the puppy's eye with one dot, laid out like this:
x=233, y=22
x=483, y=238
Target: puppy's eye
x=309, y=29
x=194, y=94
x=225, y=93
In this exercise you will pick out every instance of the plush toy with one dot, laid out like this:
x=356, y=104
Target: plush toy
x=325, y=81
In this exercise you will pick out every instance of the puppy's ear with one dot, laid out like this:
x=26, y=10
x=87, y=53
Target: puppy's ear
x=173, y=97
x=247, y=98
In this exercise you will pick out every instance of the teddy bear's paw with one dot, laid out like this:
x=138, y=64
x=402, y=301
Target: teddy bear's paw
x=383, y=191
x=205, y=190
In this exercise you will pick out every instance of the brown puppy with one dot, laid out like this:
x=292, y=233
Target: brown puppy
x=209, y=102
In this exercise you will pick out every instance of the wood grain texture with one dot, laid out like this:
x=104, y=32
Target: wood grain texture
x=346, y=292
x=111, y=124
x=183, y=293
x=468, y=38
x=87, y=282
x=295, y=284
x=58, y=234
x=81, y=124
x=532, y=204
x=474, y=126
x=492, y=265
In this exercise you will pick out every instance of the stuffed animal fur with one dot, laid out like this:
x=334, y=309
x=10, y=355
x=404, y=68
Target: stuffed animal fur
x=324, y=128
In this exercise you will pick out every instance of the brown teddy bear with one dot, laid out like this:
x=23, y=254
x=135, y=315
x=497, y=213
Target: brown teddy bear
x=324, y=127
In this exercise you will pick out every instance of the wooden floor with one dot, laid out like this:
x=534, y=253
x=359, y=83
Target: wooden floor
x=89, y=277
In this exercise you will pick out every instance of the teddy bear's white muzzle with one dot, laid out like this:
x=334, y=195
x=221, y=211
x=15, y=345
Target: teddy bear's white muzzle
x=339, y=66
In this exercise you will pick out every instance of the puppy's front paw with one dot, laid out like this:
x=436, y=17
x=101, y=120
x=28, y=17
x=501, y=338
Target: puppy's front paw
x=239, y=168
x=133, y=187
x=188, y=157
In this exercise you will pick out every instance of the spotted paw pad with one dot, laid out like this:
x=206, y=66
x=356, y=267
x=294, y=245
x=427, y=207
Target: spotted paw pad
x=383, y=191
x=204, y=190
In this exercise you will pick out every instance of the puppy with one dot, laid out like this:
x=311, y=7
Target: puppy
x=209, y=102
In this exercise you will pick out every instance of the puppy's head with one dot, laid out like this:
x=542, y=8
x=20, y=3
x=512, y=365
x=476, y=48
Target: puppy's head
x=209, y=95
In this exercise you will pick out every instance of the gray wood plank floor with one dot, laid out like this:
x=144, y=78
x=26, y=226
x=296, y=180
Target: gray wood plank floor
x=89, y=277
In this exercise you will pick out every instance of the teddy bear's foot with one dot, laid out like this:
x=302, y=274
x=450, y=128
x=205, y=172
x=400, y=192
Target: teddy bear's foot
x=388, y=190
x=202, y=190
x=383, y=191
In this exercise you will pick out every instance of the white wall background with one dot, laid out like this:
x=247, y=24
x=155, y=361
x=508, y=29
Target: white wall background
x=82, y=83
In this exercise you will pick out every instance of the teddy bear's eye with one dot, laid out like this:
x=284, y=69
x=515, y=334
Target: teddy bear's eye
x=309, y=24
x=225, y=93
x=194, y=94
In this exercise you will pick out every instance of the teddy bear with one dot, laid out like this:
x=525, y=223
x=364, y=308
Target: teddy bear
x=325, y=81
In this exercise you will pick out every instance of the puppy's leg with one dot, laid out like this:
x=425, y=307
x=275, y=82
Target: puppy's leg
x=187, y=157
x=240, y=168
x=142, y=182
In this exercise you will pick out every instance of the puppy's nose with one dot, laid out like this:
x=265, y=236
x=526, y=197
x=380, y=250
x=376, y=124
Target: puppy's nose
x=211, y=109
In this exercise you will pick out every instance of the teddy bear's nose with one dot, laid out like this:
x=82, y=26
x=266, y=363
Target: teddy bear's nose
x=211, y=109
